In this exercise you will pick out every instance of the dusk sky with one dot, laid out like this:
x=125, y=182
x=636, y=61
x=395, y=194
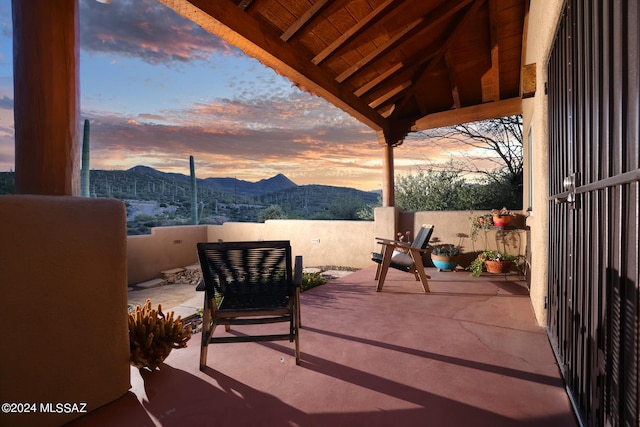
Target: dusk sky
x=158, y=88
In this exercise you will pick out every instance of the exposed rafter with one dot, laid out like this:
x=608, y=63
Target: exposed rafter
x=438, y=56
x=369, y=20
x=451, y=73
x=304, y=19
x=495, y=51
x=388, y=63
x=490, y=110
x=410, y=30
x=248, y=34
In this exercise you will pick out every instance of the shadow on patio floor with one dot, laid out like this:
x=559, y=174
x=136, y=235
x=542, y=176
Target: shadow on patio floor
x=468, y=354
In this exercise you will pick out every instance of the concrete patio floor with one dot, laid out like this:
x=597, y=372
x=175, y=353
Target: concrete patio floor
x=467, y=354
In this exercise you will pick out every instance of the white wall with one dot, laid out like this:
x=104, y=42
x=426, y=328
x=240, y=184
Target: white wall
x=542, y=22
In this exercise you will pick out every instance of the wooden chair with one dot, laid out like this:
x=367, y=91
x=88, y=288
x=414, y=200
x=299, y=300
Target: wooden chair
x=248, y=283
x=402, y=256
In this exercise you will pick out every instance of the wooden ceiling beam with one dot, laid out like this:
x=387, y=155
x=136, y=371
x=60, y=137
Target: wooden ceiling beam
x=408, y=91
x=243, y=31
x=389, y=95
x=422, y=105
x=363, y=90
x=422, y=23
x=357, y=29
x=495, y=50
x=451, y=74
x=523, y=51
x=457, y=27
x=407, y=66
x=409, y=31
x=311, y=13
x=489, y=110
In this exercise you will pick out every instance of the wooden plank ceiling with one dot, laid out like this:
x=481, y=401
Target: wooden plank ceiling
x=395, y=65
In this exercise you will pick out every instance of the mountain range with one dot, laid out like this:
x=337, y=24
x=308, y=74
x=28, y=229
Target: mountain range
x=225, y=185
x=166, y=197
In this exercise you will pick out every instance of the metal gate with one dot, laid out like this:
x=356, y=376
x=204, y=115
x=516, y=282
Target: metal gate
x=594, y=183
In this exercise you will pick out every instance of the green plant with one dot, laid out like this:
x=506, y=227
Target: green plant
x=152, y=335
x=477, y=264
x=272, y=212
x=479, y=223
x=445, y=249
x=311, y=280
x=502, y=212
x=430, y=190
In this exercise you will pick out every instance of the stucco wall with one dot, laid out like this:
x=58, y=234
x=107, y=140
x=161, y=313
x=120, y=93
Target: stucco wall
x=542, y=22
x=453, y=227
x=165, y=248
x=338, y=243
x=321, y=243
x=64, y=304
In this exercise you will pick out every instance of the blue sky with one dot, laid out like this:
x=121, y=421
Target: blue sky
x=157, y=88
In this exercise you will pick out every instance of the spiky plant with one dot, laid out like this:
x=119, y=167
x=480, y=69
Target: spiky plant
x=152, y=335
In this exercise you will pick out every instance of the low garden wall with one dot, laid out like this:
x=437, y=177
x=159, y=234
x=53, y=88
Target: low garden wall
x=321, y=243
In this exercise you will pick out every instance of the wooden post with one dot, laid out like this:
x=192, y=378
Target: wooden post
x=388, y=191
x=45, y=74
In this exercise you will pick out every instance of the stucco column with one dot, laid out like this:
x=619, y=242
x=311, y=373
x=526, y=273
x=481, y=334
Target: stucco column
x=45, y=74
x=388, y=191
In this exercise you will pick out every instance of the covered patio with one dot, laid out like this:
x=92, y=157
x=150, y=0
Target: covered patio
x=468, y=353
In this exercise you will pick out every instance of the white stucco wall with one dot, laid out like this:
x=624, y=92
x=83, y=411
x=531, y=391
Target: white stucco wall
x=542, y=22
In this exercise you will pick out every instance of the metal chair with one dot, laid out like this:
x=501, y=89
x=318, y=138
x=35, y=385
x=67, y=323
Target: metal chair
x=248, y=283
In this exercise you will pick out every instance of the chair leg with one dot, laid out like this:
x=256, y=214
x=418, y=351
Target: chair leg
x=296, y=324
x=207, y=330
x=421, y=274
x=378, y=268
x=386, y=261
x=298, y=310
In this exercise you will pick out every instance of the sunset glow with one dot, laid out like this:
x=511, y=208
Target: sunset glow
x=157, y=89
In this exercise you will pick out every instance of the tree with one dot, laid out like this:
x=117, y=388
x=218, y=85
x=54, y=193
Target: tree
x=430, y=191
x=346, y=208
x=498, y=141
x=272, y=212
x=480, y=145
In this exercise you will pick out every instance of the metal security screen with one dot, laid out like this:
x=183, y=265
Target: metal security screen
x=593, y=210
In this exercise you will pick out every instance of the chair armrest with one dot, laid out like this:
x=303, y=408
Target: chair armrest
x=297, y=271
x=390, y=242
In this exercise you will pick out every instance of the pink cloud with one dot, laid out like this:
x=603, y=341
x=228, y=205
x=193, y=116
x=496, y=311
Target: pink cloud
x=147, y=30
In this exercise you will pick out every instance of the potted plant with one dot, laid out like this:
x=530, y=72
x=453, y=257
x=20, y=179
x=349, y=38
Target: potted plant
x=492, y=261
x=152, y=335
x=479, y=223
x=502, y=217
x=445, y=256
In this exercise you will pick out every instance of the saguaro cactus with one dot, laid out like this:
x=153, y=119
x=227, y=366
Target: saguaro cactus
x=194, y=192
x=84, y=172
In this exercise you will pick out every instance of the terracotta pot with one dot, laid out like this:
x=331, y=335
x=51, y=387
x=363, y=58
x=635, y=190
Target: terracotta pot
x=445, y=263
x=501, y=220
x=499, y=267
